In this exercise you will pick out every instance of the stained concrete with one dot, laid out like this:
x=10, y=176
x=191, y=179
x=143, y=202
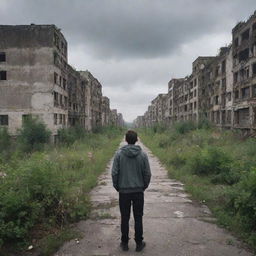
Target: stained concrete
x=174, y=224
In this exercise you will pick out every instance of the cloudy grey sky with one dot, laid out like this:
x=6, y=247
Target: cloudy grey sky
x=134, y=47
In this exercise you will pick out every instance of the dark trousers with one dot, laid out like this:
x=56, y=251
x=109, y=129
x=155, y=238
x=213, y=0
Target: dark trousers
x=137, y=202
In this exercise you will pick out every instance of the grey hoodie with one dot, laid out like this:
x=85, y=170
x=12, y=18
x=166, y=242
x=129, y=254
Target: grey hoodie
x=130, y=170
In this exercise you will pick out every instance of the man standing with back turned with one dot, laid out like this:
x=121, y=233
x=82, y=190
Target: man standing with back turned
x=131, y=176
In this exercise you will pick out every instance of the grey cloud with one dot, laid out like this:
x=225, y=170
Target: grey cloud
x=131, y=28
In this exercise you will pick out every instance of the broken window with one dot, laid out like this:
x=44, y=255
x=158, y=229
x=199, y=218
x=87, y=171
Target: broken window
x=223, y=66
x=223, y=83
x=61, y=101
x=60, y=121
x=245, y=93
x=3, y=75
x=56, y=102
x=229, y=96
x=218, y=117
x=191, y=106
x=4, y=120
x=195, y=105
x=55, y=78
x=254, y=68
x=236, y=42
x=216, y=99
x=55, y=119
x=235, y=77
x=243, y=117
x=186, y=108
x=60, y=80
x=194, y=93
x=65, y=101
x=223, y=117
x=244, y=55
x=217, y=71
x=65, y=83
x=25, y=118
x=236, y=94
x=245, y=35
x=2, y=57
x=229, y=117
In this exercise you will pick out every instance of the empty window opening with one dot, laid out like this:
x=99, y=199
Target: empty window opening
x=244, y=55
x=2, y=57
x=236, y=94
x=55, y=119
x=235, y=77
x=223, y=117
x=242, y=117
x=254, y=68
x=236, y=41
x=245, y=92
x=223, y=83
x=254, y=90
x=4, y=120
x=56, y=99
x=217, y=71
x=216, y=100
x=3, y=75
x=245, y=35
x=194, y=105
x=55, y=78
x=229, y=96
x=229, y=117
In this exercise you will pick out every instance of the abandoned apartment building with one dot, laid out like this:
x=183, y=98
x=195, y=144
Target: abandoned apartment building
x=36, y=79
x=221, y=89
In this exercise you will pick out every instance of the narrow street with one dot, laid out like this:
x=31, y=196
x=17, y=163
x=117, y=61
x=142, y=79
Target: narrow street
x=173, y=223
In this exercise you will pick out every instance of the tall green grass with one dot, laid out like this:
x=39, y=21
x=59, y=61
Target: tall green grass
x=217, y=167
x=50, y=188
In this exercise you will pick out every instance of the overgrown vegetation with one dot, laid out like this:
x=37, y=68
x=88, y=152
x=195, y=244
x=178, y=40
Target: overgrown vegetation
x=217, y=167
x=45, y=188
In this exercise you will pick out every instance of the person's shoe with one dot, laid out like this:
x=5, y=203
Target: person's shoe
x=140, y=246
x=124, y=246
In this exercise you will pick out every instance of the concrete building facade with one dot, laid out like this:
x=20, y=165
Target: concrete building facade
x=35, y=79
x=221, y=89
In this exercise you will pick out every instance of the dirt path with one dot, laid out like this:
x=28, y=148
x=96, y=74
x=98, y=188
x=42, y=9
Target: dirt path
x=173, y=223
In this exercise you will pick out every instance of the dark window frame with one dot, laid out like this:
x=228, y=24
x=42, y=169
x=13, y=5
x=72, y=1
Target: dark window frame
x=3, y=75
x=4, y=120
x=2, y=57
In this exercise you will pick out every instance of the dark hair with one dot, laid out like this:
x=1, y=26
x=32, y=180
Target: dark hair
x=131, y=137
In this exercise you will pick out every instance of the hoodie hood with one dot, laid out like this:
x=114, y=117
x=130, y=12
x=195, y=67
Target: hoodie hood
x=131, y=150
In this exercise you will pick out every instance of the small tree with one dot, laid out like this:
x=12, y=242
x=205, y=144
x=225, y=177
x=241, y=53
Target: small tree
x=33, y=135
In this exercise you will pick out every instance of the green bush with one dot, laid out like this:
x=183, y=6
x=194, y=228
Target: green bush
x=184, y=127
x=204, y=124
x=244, y=200
x=33, y=135
x=69, y=135
x=51, y=188
x=214, y=161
